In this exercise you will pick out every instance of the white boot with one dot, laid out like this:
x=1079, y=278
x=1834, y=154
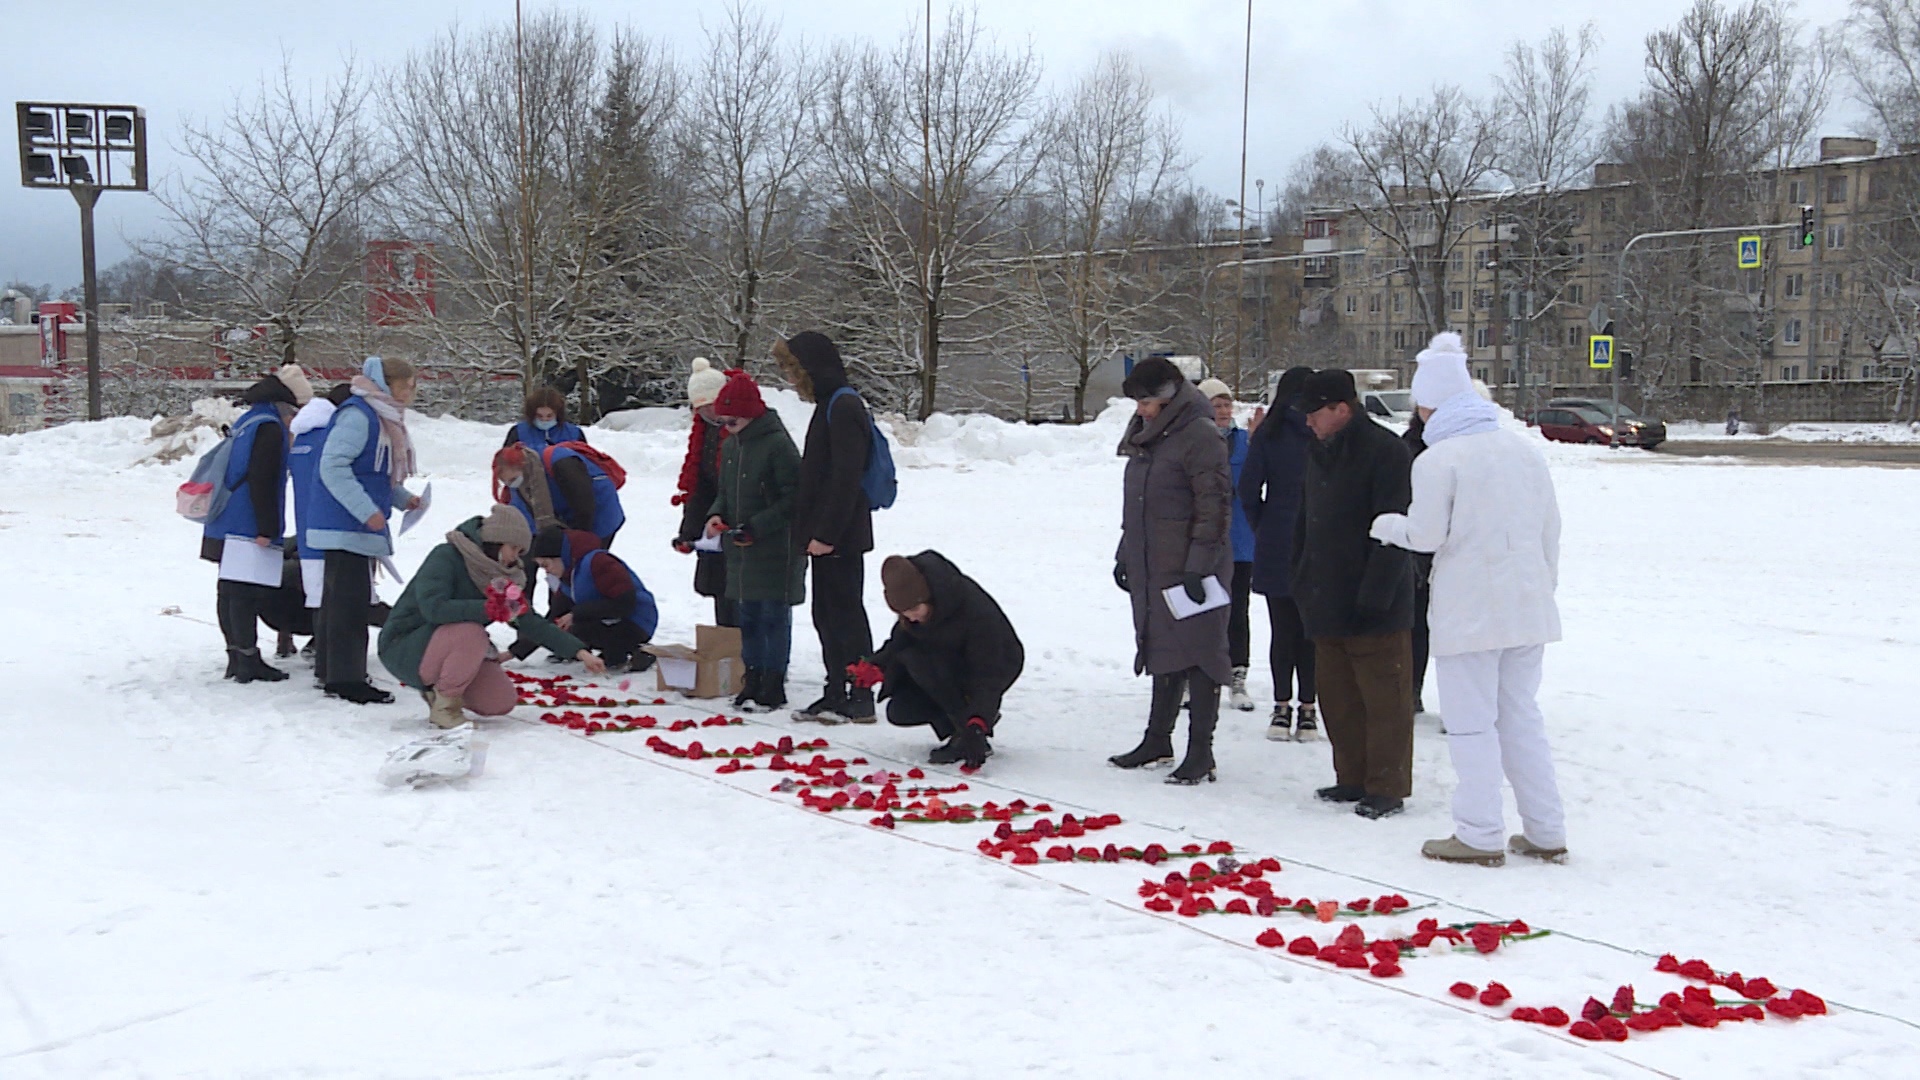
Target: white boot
x=1280, y=728
x=1237, y=693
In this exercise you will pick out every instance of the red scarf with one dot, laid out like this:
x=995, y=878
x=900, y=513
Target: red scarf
x=690, y=468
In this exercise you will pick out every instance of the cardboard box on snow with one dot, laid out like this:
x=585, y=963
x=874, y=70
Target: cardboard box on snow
x=711, y=668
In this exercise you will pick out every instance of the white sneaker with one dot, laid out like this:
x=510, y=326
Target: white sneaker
x=1280, y=727
x=1306, y=724
x=1237, y=695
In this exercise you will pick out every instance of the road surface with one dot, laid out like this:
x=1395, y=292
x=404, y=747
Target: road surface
x=1788, y=452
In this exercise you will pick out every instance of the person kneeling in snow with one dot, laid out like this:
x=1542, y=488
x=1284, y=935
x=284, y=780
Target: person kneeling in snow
x=1483, y=503
x=436, y=639
x=597, y=598
x=951, y=658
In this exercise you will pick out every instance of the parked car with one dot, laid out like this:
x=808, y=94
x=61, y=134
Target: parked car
x=1633, y=429
x=1578, y=424
x=1390, y=406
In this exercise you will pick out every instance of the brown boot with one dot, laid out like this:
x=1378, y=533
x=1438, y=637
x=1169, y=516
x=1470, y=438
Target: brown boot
x=446, y=711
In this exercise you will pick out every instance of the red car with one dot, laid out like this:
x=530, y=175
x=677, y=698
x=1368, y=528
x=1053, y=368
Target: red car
x=1576, y=425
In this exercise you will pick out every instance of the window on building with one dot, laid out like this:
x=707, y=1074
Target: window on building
x=1606, y=209
x=1456, y=301
x=1574, y=336
x=1373, y=303
x=1796, y=191
x=1480, y=299
x=1750, y=282
x=1353, y=303
x=1483, y=338
x=1790, y=372
x=1580, y=250
x=1458, y=264
x=1576, y=294
x=1373, y=340
x=1347, y=339
x=1790, y=333
x=1832, y=284
x=1792, y=285
x=1879, y=186
x=1373, y=267
x=1400, y=340
x=1829, y=330
x=1836, y=189
x=1317, y=230
x=1399, y=303
x=1836, y=237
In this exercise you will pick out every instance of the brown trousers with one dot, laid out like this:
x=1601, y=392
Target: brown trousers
x=1366, y=699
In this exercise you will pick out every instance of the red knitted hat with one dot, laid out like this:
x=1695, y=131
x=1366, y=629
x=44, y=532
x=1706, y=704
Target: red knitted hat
x=740, y=397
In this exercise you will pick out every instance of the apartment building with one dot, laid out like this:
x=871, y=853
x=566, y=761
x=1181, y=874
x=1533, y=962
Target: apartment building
x=1805, y=313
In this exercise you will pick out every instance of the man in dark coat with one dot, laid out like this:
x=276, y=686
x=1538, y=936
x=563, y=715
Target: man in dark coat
x=832, y=519
x=1175, y=536
x=1356, y=595
x=951, y=658
x=1270, y=495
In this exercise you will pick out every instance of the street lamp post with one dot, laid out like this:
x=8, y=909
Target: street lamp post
x=86, y=149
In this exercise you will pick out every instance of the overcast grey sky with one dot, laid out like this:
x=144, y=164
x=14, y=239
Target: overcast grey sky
x=1315, y=66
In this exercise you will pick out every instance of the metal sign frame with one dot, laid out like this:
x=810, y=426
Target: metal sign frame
x=1600, y=352
x=71, y=145
x=1747, y=252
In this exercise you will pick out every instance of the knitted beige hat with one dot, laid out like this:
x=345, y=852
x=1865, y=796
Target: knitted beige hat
x=705, y=382
x=294, y=379
x=1213, y=388
x=505, y=525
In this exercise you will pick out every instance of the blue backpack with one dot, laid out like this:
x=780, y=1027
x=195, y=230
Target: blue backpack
x=879, y=482
x=204, y=495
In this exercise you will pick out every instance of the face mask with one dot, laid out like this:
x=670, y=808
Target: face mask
x=546, y=425
x=515, y=482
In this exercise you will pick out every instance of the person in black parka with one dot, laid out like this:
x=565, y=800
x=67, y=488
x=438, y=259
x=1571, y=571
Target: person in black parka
x=951, y=659
x=832, y=519
x=1270, y=495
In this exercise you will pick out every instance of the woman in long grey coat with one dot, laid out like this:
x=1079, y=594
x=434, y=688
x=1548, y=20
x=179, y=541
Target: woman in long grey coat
x=1174, y=536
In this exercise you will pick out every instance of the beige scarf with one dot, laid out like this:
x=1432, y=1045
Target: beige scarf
x=482, y=570
x=533, y=489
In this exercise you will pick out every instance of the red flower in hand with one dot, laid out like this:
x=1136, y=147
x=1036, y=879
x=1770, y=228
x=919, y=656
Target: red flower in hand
x=866, y=674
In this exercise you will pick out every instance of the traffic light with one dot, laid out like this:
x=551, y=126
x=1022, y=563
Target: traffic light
x=1806, y=226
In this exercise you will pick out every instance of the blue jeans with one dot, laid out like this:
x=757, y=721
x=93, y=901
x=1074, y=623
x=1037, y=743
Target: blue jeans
x=766, y=634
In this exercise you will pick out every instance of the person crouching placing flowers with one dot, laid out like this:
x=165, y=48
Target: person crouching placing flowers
x=436, y=638
x=1483, y=504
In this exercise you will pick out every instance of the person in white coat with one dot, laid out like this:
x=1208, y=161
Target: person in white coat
x=1483, y=504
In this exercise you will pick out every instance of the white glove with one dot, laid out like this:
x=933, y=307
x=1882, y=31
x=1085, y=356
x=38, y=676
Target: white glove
x=1387, y=527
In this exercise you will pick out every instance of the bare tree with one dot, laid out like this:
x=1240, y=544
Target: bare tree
x=549, y=258
x=930, y=147
x=1108, y=168
x=1323, y=177
x=1420, y=166
x=749, y=152
x=1881, y=57
x=270, y=220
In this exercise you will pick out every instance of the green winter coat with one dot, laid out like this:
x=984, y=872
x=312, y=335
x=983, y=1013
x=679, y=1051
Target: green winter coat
x=759, y=479
x=441, y=593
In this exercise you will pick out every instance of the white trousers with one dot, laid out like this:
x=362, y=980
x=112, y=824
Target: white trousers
x=1494, y=727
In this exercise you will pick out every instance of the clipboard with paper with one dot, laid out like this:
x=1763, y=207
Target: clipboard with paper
x=1184, y=607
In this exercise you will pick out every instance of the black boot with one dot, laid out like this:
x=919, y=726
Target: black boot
x=245, y=666
x=749, y=691
x=1157, y=744
x=360, y=693
x=283, y=647
x=773, y=688
x=1203, y=697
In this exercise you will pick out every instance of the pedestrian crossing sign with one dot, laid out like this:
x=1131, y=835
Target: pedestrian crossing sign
x=1600, y=351
x=1749, y=253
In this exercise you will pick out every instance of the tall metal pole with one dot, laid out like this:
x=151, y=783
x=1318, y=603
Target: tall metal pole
x=86, y=195
x=526, y=196
x=1240, y=278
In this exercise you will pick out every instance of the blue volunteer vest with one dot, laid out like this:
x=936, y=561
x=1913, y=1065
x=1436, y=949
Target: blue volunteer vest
x=581, y=589
x=303, y=465
x=536, y=439
x=369, y=473
x=607, y=515
x=236, y=518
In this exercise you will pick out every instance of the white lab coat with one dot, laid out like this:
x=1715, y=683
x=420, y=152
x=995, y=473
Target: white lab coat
x=1483, y=504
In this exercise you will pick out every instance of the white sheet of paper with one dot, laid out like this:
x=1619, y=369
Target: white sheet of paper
x=1185, y=608
x=707, y=543
x=243, y=560
x=386, y=563
x=410, y=518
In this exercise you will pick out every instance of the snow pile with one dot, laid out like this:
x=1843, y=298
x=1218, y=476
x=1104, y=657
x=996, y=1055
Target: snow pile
x=1701, y=431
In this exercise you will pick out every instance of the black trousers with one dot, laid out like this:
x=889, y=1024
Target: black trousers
x=1239, y=633
x=341, y=628
x=1291, y=652
x=1422, y=596
x=240, y=605
x=726, y=612
x=910, y=706
x=840, y=617
x=615, y=642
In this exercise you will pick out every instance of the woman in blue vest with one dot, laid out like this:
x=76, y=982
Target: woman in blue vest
x=365, y=459
x=598, y=598
x=559, y=486
x=544, y=423
x=1239, y=633
x=309, y=433
x=253, y=520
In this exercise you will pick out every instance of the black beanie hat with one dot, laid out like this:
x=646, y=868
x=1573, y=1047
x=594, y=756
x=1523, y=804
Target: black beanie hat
x=1153, y=379
x=547, y=542
x=1291, y=382
x=1324, y=388
x=816, y=352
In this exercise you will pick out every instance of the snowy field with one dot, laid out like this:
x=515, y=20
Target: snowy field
x=205, y=880
x=1698, y=431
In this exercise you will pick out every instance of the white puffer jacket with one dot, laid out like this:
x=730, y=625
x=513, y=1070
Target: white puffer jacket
x=1483, y=504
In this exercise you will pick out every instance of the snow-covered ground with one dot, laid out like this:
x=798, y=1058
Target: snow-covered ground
x=1696, y=430
x=203, y=879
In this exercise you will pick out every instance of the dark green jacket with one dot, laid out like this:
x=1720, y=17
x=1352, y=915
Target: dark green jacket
x=759, y=478
x=442, y=593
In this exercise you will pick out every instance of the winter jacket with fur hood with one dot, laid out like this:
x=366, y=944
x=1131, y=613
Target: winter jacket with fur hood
x=1176, y=520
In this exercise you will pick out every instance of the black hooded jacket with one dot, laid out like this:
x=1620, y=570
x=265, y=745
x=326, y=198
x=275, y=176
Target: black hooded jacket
x=831, y=506
x=1346, y=583
x=966, y=656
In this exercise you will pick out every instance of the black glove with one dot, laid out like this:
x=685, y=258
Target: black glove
x=1120, y=576
x=973, y=744
x=1196, y=586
